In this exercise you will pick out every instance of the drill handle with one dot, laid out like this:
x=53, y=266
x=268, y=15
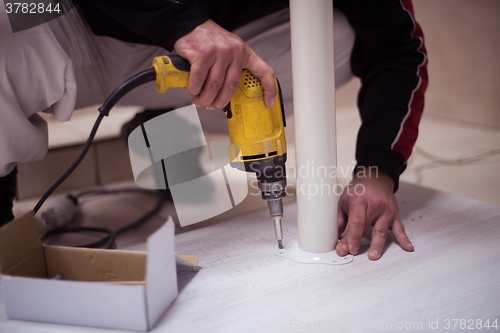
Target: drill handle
x=180, y=63
x=171, y=72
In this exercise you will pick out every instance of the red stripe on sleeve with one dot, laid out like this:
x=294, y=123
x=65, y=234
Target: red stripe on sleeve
x=407, y=135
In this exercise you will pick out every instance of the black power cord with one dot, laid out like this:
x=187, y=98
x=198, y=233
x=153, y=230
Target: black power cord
x=130, y=84
x=109, y=240
x=73, y=166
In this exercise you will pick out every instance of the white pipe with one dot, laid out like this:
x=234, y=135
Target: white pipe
x=314, y=109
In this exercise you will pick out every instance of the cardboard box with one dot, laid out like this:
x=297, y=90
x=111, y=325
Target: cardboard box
x=100, y=288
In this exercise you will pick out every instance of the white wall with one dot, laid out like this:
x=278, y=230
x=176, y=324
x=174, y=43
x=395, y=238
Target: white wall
x=463, y=44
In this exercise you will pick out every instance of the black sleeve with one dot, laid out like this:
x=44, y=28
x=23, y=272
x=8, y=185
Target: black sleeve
x=156, y=22
x=162, y=22
x=389, y=57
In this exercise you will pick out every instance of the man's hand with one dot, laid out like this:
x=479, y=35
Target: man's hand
x=376, y=207
x=217, y=58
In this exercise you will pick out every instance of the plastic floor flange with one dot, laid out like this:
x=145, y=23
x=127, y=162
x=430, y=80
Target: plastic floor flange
x=293, y=252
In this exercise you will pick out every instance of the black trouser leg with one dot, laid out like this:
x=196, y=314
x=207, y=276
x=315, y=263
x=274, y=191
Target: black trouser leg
x=7, y=194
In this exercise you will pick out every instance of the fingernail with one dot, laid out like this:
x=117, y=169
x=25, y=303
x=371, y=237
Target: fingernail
x=272, y=102
x=354, y=250
x=375, y=254
x=210, y=108
x=344, y=249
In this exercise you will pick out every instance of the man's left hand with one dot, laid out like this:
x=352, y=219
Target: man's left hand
x=373, y=205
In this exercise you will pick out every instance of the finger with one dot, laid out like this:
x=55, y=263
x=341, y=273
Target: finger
x=341, y=247
x=265, y=74
x=379, y=237
x=198, y=75
x=400, y=235
x=213, y=84
x=356, y=227
x=341, y=220
x=231, y=82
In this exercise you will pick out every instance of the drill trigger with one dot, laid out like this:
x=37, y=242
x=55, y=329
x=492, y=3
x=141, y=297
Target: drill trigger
x=281, y=103
x=227, y=110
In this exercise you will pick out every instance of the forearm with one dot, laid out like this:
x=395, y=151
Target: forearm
x=389, y=57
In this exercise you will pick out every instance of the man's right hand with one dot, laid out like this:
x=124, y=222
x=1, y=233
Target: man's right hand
x=217, y=58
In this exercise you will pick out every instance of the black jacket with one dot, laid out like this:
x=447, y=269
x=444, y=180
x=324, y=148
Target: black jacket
x=389, y=57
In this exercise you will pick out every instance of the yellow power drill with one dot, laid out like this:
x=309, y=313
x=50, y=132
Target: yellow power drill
x=256, y=132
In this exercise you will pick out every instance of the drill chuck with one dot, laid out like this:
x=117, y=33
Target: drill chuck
x=275, y=208
x=273, y=190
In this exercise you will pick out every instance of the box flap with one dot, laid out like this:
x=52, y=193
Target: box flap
x=80, y=264
x=161, y=249
x=161, y=276
x=75, y=303
x=19, y=241
x=193, y=260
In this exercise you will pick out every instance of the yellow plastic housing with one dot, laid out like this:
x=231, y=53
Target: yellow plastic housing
x=168, y=76
x=256, y=132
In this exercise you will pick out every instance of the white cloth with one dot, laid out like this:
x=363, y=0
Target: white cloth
x=61, y=66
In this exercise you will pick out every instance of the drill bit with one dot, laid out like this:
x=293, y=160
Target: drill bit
x=278, y=230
